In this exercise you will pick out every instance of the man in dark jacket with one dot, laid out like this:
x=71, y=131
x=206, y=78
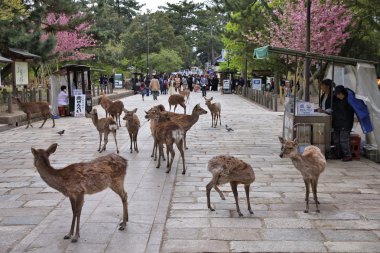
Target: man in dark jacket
x=342, y=123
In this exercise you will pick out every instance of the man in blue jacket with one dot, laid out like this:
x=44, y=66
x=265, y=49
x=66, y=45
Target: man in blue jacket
x=342, y=123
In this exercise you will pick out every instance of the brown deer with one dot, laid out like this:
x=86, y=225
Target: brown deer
x=78, y=179
x=115, y=109
x=168, y=132
x=133, y=125
x=215, y=109
x=186, y=94
x=153, y=119
x=177, y=99
x=187, y=121
x=228, y=169
x=105, y=102
x=104, y=126
x=35, y=107
x=311, y=163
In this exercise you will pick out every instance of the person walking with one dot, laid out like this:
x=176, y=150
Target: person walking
x=142, y=90
x=190, y=82
x=155, y=87
x=171, y=86
x=203, y=83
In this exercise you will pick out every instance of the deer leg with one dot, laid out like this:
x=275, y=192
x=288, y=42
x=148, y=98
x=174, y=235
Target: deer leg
x=68, y=236
x=212, y=120
x=184, y=107
x=307, y=184
x=208, y=190
x=118, y=187
x=78, y=209
x=51, y=116
x=135, y=141
x=43, y=123
x=172, y=153
x=220, y=192
x=131, y=138
x=28, y=118
x=167, y=155
x=234, y=190
x=180, y=148
x=175, y=107
x=246, y=188
x=160, y=151
x=100, y=141
x=316, y=185
x=105, y=141
x=154, y=151
x=220, y=121
x=184, y=141
x=314, y=189
x=114, y=136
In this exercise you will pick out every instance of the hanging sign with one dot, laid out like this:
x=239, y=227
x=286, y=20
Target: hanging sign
x=21, y=73
x=256, y=83
x=80, y=106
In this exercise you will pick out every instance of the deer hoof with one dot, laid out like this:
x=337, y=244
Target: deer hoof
x=183, y=172
x=318, y=211
x=167, y=171
x=74, y=240
x=306, y=211
x=240, y=214
x=131, y=151
x=250, y=211
x=122, y=227
x=211, y=209
x=67, y=237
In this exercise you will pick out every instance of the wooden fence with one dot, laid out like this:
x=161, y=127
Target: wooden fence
x=267, y=99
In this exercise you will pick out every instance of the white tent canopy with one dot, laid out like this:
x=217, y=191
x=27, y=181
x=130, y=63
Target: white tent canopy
x=363, y=81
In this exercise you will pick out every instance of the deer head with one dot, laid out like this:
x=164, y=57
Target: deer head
x=199, y=110
x=44, y=154
x=129, y=114
x=288, y=148
x=208, y=100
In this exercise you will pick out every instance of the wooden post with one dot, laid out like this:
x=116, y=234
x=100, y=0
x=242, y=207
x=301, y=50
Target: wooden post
x=40, y=95
x=9, y=97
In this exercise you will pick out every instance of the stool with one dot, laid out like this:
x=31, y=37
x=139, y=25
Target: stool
x=355, y=145
x=62, y=111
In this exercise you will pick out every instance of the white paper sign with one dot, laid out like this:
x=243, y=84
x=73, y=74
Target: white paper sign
x=80, y=106
x=226, y=84
x=21, y=72
x=256, y=83
x=305, y=108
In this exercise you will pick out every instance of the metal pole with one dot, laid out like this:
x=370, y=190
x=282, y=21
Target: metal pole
x=147, y=53
x=307, y=60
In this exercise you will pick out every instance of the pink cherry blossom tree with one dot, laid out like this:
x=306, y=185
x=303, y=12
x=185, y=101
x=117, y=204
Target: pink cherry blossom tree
x=328, y=30
x=69, y=42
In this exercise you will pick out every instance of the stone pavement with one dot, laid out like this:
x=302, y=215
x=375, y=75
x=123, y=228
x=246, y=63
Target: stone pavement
x=168, y=212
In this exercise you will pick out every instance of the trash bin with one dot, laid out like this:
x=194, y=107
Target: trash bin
x=88, y=102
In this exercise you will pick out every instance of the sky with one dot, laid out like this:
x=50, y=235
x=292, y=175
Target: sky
x=152, y=5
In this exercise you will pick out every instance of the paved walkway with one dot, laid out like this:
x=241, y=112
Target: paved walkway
x=168, y=212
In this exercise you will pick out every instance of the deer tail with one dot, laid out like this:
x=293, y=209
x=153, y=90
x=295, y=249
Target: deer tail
x=177, y=135
x=112, y=126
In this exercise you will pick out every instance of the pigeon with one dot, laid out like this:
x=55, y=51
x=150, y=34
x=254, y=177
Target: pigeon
x=229, y=129
x=61, y=132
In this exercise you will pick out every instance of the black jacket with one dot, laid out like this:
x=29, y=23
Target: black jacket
x=327, y=103
x=342, y=115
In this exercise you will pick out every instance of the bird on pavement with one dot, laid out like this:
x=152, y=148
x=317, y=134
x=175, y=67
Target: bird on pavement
x=229, y=129
x=61, y=132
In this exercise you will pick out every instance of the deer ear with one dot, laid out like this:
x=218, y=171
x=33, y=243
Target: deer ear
x=295, y=141
x=135, y=110
x=282, y=140
x=52, y=148
x=34, y=152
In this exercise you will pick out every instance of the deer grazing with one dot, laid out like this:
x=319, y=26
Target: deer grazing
x=186, y=94
x=177, y=99
x=311, y=163
x=35, y=107
x=104, y=126
x=228, y=169
x=133, y=125
x=168, y=132
x=115, y=109
x=215, y=109
x=78, y=179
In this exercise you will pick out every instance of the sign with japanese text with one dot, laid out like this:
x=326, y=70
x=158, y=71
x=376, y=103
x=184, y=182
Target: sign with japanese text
x=226, y=84
x=21, y=73
x=305, y=108
x=256, y=83
x=80, y=106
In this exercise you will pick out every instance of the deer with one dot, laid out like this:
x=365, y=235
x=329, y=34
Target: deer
x=115, y=109
x=35, y=107
x=177, y=99
x=229, y=169
x=311, y=163
x=151, y=117
x=133, y=125
x=105, y=102
x=186, y=94
x=104, y=126
x=215, y=109
x=78, y=179
x=168, y=132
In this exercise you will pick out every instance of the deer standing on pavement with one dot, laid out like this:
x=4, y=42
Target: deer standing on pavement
x=228, y=169
x=104, y=126
x=311, y=163
x=215, y=109
x=78, y=179
x=105, y=102
x=35, y=107
x=132, y=123
x=177, y=99
x=115, y=109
